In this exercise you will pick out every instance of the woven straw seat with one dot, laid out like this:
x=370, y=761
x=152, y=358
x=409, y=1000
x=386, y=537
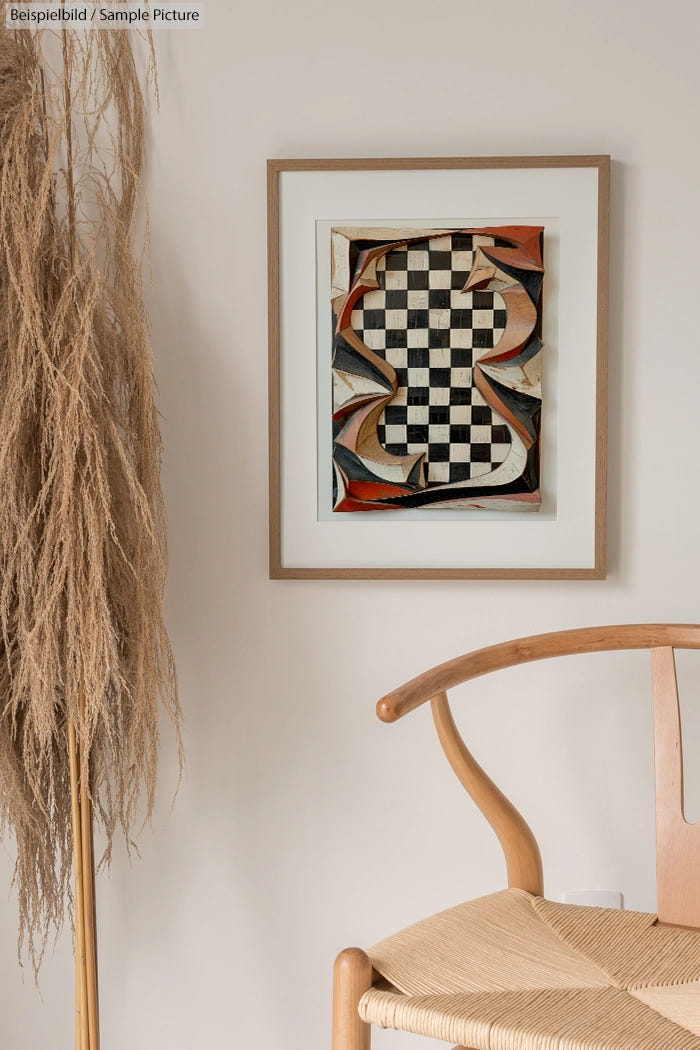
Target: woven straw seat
x=513, y=971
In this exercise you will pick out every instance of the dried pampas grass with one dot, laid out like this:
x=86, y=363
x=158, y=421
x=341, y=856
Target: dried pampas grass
x=82, y=540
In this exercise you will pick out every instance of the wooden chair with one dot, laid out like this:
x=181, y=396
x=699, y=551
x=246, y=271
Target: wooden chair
x=514, y=971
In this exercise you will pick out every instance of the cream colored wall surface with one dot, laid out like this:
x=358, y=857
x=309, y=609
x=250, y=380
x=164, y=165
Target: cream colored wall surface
x=304, y=825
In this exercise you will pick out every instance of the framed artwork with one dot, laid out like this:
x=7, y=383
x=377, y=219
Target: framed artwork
x=437, y=367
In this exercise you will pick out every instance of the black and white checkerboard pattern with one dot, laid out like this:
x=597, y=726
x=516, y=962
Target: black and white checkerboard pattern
x=431, y=332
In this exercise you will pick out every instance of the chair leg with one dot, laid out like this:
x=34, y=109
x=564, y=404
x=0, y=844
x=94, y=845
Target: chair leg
x=352, y=977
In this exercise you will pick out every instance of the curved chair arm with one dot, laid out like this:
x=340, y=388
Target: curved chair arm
x=535, y=647
x=519, y=846
x=522, y=853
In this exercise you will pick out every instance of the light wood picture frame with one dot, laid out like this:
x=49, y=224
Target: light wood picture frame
x=311, y=202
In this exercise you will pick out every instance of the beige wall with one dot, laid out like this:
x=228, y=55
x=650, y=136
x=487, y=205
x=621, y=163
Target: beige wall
x=304, y=824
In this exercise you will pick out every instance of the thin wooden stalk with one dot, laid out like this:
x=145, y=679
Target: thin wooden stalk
x=82, y=1037
x=82, y=821
x=89, y=925
x=94, y=905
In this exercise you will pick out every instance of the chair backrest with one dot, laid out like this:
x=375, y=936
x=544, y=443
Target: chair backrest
x=677, y=841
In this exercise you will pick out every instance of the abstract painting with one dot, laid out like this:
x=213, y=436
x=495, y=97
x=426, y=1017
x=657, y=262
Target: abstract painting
x=436, y=367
